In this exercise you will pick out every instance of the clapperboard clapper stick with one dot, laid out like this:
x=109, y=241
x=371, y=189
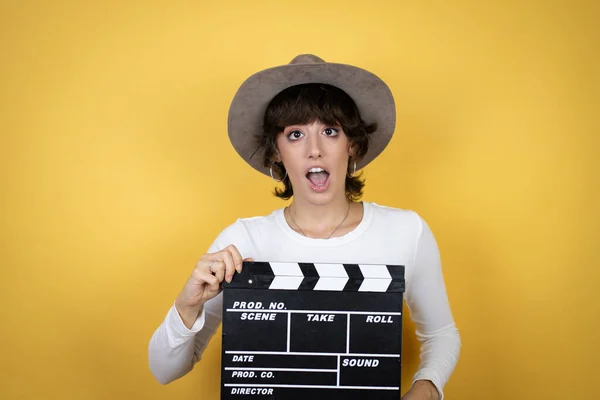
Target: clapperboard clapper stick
x=296, y=331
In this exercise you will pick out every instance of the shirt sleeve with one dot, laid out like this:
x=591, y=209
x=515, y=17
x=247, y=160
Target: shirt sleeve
x=428, y=303
x=174, y=349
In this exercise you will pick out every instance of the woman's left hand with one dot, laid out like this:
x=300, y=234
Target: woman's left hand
x=422, y=390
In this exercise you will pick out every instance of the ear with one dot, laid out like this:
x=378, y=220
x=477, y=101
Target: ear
x=352, y=151
x=276, y=156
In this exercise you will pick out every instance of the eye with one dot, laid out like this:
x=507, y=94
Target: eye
x=295, y=135
x=330, y=132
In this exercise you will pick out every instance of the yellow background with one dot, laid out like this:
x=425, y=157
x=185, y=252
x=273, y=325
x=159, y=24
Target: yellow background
x=116, y=174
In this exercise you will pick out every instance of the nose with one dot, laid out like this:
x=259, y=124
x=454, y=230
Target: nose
x=314, y=146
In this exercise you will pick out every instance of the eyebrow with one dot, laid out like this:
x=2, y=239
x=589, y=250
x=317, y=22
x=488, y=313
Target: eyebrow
x=336, y=125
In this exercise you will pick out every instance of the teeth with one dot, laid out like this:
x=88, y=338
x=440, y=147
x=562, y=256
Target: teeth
x=316, y=170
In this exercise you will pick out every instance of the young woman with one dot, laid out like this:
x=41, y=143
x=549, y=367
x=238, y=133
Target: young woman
x=311, y=125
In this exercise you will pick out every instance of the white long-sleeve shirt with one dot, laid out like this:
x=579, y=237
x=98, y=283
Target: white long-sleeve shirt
x=385, y=235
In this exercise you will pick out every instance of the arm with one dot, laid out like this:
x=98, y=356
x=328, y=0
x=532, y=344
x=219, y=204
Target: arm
x=429, y=308
x=174, y=348
x=178, y=343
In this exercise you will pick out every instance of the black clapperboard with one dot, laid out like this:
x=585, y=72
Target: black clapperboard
x=296, y=331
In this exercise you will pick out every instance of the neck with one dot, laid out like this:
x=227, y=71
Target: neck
x=319, y=220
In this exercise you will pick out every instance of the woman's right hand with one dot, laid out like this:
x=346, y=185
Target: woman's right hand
x=205, y=281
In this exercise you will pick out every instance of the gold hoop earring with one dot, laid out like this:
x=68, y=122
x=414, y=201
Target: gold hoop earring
x=272, y=177
x=353, y=173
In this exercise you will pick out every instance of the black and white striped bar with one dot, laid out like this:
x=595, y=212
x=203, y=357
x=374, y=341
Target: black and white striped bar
x=324, y=331
x=325, y=277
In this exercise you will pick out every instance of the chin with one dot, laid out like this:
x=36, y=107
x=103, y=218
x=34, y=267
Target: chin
x=323, y=198
x=320, y=200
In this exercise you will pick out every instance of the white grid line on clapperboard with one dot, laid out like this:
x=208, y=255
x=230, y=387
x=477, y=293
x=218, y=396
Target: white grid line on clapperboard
x=307, y=353
x=279, y=369
x=337, y=382
x=289, y=331
x=266, y=310
x=347, y=334
x=282, y=385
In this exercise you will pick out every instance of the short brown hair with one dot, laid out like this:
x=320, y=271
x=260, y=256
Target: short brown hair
x=304, y=104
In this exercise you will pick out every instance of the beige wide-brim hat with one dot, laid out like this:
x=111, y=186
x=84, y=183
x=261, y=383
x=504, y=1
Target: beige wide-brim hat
x=372, y=96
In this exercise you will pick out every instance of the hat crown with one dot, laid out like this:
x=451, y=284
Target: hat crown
x=307, y=59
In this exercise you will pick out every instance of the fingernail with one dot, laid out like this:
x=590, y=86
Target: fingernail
x=229, y=278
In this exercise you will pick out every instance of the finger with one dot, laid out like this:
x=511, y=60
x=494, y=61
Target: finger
x=202, y=261
x=229, y=264
x=213, y=288
x=216, y=288
x=203, y=276
x=237, y=257
x=206, y=259
x=217, y=268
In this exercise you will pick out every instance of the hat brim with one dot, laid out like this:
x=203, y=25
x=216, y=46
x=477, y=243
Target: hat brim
x=371, y=94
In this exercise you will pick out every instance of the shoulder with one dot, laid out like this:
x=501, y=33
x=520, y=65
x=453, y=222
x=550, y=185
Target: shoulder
x=397, y=216
x=258, y=224
x=243, y=228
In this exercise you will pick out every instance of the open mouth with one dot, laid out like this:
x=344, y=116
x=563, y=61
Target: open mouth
x=318, y=178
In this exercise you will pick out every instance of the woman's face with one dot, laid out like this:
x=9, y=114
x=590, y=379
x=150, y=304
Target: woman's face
x=315, y=157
